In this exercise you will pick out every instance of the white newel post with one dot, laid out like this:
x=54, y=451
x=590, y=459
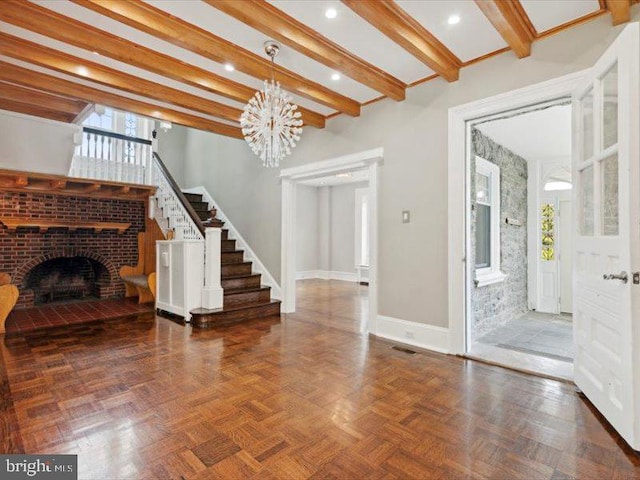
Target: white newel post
x=148, y=164
x=212, y=293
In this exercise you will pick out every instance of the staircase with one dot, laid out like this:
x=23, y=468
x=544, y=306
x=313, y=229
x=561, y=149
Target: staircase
x=244, y=296
x=208, y=216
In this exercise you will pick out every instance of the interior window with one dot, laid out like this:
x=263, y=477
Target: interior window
x=487, y=223
x=483, y=221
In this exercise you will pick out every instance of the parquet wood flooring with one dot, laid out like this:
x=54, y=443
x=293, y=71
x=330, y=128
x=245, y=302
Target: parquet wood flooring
x=287, y=398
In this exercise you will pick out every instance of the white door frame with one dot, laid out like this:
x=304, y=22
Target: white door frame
x=459, y=176
x=369, y=159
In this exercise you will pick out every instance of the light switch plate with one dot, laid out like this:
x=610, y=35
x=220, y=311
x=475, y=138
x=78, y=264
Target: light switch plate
x=406, y=216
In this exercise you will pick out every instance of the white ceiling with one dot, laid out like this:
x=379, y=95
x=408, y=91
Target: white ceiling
x=537, y=135
x=548, y=14
x=471, y=38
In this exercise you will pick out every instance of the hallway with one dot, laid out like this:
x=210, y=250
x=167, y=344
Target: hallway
x=332, y=303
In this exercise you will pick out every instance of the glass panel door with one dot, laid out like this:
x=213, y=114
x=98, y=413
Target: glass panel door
x=598, y=158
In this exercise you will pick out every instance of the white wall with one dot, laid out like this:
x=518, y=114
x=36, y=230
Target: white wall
x=172, y=147
x=325, y=232
x=343, y=224
x=324, y=219
x=413, y=270
x=308, y=232
x=33, y=144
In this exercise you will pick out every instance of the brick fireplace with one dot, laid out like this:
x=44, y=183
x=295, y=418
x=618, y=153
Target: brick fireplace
x=61, y=263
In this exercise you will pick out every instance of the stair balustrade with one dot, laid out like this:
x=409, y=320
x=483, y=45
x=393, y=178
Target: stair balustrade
x=172, y=210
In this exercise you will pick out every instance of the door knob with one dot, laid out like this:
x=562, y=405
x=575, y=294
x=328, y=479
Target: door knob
x=622, y=276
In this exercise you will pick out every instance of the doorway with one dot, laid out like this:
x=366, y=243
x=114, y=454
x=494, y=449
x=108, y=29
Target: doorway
x=520, y=171
x=332, y=254
x=605, y=230
x=297, y=178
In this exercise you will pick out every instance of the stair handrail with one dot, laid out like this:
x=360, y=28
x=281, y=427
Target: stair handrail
x=166, y=176
x=119, y=136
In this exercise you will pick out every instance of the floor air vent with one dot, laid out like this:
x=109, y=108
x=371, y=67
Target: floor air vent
x=404, y=350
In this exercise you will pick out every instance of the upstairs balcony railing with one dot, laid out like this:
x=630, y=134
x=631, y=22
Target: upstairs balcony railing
x=105, y=155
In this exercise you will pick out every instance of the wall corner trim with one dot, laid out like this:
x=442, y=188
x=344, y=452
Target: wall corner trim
x=420, y=335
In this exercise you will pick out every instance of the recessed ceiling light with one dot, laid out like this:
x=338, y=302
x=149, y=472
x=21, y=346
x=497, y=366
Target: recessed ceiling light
x=335, y=76
x=343, y=175
x=82, y=71
x=156, y=114
x=453, y=20
x=331, y=13
x=96, y=53
x=228, y=67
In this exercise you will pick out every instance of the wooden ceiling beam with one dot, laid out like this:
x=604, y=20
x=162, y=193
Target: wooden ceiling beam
x=49, y=58
x=156, y=22
x=44, y=21
x=276, y=24
x=620, y=11
x=36, y=111
x=58, y=86
x=40, y=99
x=512, y=23
x=407, y=32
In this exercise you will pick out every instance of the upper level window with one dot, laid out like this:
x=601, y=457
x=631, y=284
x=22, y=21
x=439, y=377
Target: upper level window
x=487, y=223
x=103, y=122
x=125, y=123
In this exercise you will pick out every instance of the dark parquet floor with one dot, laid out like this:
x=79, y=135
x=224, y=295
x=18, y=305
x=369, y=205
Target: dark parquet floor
x=286, y=398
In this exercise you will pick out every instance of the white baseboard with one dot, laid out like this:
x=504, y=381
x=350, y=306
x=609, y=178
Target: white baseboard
x=419, y=335
x=327, y=275
x=308, y=274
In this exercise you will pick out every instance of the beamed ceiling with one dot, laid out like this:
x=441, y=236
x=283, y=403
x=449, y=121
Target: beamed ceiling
x=168, y=59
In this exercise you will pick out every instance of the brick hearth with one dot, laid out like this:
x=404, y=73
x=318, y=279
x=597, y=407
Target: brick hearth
x=54, y=315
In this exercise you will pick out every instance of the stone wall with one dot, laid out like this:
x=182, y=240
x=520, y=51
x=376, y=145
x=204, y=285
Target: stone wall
x=493, y=305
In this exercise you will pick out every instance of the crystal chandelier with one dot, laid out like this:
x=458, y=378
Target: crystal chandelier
x=270, y=122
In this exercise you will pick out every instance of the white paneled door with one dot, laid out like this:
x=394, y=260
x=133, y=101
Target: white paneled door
x=606, y=237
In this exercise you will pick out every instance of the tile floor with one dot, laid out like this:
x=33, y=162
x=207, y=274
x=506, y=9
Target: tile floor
x=54, y=315
x=538, y=343
x=544, y=334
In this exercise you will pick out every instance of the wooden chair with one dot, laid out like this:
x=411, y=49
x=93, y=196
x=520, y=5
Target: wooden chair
x=8, y=298
x=152, y=283
x=136, y=279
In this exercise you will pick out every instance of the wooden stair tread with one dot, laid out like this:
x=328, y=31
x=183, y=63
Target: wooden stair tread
x=241, y=275
x=195, y=197
x=239, y=263
x=234, y=291
x=232, y=308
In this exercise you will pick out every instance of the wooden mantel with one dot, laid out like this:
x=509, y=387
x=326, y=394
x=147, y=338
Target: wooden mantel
x=16, y=181
x=43, y=225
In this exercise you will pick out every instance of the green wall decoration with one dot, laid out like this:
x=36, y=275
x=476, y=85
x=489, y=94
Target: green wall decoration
x=548, y=252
